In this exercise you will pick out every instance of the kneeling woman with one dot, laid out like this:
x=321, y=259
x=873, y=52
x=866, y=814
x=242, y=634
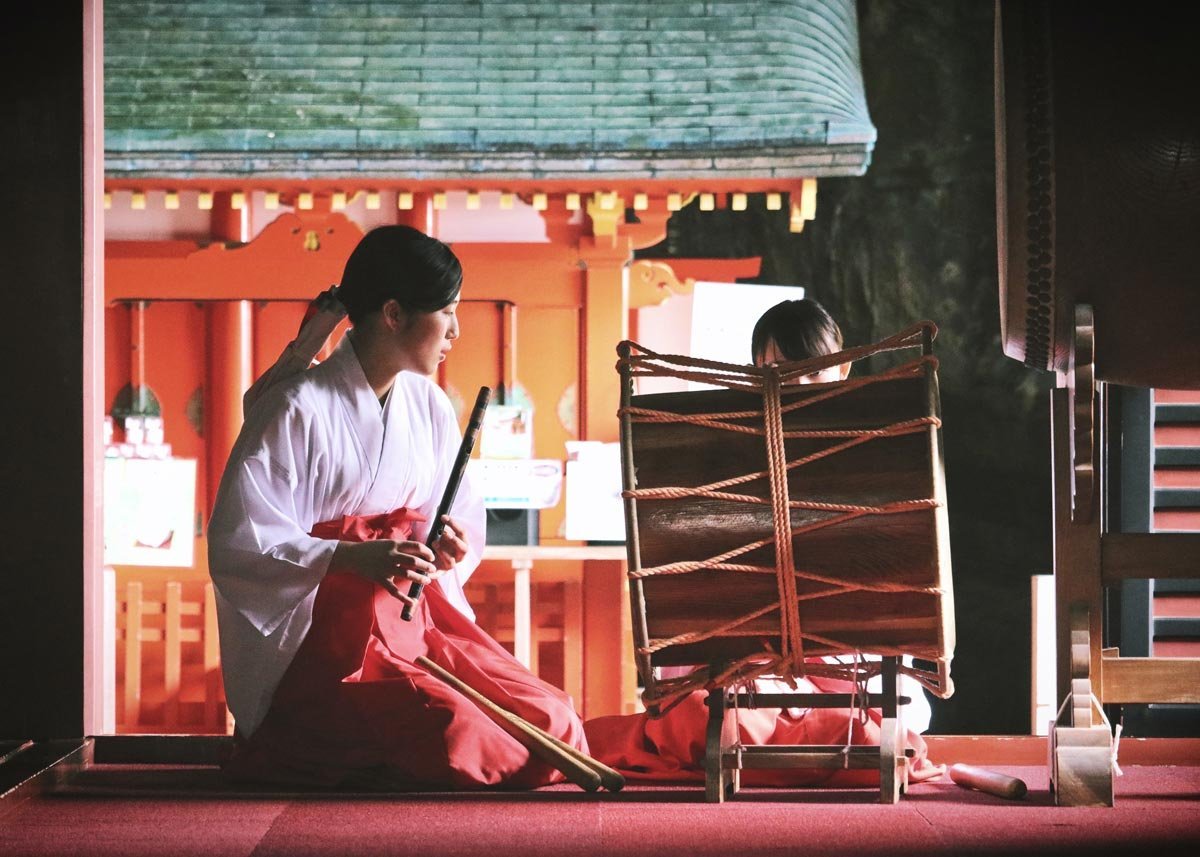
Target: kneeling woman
x=318, y=528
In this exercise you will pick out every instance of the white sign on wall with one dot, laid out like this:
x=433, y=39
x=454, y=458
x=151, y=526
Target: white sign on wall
x=595, y=510
x=723, y=317
x=529, y=483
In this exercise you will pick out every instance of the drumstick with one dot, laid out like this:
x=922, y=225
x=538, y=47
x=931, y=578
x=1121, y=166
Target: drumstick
x=456, y=473
x=611, y=779
x=992, y=782
x=531, y=737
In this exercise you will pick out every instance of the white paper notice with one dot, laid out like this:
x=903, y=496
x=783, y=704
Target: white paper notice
x=723, y=317
x=149, y=511
x=595, y=510
x=531, y=483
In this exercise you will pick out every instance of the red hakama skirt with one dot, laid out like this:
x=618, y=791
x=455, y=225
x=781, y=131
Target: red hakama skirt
x=353, y=709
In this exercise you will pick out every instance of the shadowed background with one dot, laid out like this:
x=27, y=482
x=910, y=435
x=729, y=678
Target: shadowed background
x=915, y=238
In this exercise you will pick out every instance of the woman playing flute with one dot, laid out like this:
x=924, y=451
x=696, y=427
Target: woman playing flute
x=319, y=529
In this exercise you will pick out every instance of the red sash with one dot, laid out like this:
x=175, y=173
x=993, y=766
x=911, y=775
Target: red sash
x=353, y=709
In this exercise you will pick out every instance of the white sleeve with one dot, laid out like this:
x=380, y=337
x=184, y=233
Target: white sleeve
x=299, y=354
x=291, y=361
x=468, y=510
x=261, y=558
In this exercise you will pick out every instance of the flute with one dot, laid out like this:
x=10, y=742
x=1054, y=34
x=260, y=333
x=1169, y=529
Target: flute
x=456, y=474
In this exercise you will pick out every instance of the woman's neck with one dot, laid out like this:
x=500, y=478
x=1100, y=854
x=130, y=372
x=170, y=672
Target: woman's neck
x=379, y=369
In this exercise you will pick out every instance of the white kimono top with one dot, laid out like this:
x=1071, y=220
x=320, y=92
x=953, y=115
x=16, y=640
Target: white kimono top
x=313, y=448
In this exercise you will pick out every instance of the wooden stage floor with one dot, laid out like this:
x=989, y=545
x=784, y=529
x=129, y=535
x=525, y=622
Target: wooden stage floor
x=118, y=803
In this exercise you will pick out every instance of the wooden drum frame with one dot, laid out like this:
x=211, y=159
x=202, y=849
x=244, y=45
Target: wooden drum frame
x=848, y=478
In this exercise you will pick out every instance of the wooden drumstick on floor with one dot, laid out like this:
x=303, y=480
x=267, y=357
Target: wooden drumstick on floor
x=578, y=767
x=992, y=782
x=611, y=779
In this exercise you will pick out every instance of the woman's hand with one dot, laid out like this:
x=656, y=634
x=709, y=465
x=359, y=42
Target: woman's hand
x=451, y=547
x=384, y=561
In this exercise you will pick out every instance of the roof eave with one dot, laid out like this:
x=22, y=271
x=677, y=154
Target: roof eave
x=783, y=162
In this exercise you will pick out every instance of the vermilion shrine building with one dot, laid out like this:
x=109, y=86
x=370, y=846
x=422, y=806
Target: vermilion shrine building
x=243, y=155
x=548, y=142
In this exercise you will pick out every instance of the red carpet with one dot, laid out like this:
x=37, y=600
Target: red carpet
x=142, y=810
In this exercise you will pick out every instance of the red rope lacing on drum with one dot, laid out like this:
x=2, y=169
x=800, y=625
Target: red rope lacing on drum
x=770, y=381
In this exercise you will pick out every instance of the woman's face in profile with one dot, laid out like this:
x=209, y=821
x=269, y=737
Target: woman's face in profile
x=425, y=338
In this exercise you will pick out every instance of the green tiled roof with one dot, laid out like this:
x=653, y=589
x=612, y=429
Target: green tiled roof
x=656, y=89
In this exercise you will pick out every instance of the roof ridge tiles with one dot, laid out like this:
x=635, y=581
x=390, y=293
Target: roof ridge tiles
x=606, y=88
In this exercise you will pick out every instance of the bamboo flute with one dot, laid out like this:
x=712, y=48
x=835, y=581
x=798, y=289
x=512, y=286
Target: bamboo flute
x=456, y=474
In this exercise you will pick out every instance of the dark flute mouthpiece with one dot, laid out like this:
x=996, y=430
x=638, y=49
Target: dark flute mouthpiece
x=456, y=474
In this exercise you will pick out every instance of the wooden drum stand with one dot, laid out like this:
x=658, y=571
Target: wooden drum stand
x=1086, y=559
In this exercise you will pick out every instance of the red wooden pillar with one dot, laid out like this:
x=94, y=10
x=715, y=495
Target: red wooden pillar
x=419, y=215
x=229, y=372
x=605, y=323
x=609, y=679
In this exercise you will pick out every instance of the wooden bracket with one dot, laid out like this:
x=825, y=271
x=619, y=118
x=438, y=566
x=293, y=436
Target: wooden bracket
x=607, y=212
x=652, y=282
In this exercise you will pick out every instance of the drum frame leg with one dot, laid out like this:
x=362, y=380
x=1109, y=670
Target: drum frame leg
x=725, y=756
x=721, y=743
x=893, y=766
x=1081, y=741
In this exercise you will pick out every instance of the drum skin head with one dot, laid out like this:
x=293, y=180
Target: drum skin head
x=1098, y=189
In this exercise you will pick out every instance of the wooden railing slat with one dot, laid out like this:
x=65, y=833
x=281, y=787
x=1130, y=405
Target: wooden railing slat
x=1132, y=556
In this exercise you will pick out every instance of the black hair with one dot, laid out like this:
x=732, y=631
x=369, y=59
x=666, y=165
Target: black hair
x=399, y=262
x=800, y=329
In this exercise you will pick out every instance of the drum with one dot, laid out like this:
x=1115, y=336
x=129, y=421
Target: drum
x=849, y=474
x=1098, y=188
